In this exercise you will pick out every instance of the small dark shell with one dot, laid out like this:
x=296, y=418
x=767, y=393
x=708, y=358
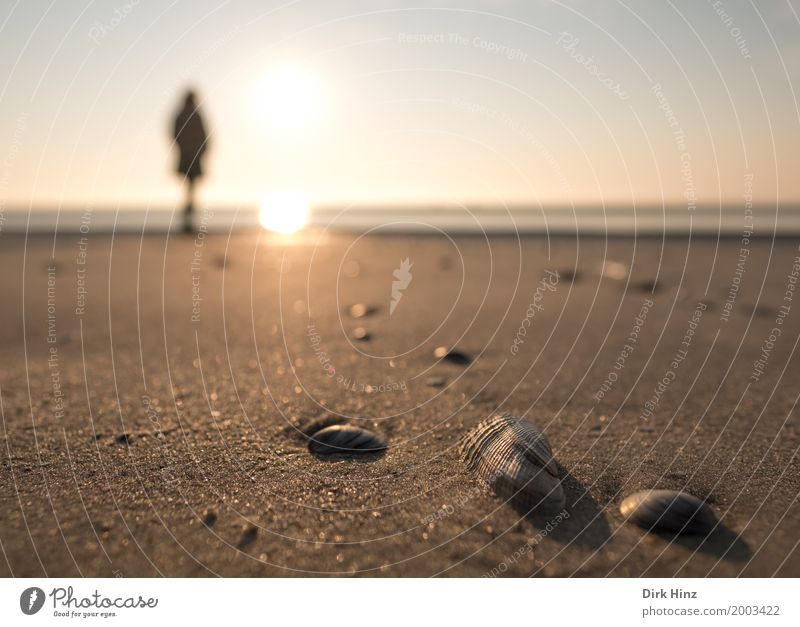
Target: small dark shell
x=571, y=275
x=453, y=356
x=649, y=286
x=668, y=510
x=345, y=440
x=209, y=517
x=764, y=311
x=248, y=536
x=514, y=458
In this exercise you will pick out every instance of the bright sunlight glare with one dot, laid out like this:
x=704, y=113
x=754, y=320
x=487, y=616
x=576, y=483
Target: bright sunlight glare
x=289, y=100
x=284, y=212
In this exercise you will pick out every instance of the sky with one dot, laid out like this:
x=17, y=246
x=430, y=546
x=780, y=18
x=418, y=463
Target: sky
x=690, y=102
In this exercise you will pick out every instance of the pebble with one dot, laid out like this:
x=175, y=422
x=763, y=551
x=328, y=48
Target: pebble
x=249, y=534
x=668, y=510
x=344, y=440
x=597, y=430
x=614, y=270
x=764, y=311
x=360, y=310
x=106, y=526
x=361, y=334
x=570, y=274
x=435, y=382
x=649, y=286
x=452, y=355
x=209, y=517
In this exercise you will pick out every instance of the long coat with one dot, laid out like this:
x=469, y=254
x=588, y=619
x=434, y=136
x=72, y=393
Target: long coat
x=192, y=141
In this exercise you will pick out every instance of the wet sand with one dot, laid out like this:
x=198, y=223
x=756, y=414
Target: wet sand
x=154, y=391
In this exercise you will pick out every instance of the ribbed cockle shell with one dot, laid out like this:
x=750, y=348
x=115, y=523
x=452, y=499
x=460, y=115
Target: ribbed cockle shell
x=514, y=458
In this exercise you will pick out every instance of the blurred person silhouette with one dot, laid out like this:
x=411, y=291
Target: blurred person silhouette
x=191, y=139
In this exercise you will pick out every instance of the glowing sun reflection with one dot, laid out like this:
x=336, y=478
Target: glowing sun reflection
x=284, y=212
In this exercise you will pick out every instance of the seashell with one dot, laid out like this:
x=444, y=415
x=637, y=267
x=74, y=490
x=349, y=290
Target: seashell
x=360, y=310
x=452, y=355
x=668, y=510
x=248, y=535
x=209, y=517
x=309, y=428
x=764, y=311
x=361, y=334
x=345, y=439
x=571, y=275
x=514, y=458
x=650, y=286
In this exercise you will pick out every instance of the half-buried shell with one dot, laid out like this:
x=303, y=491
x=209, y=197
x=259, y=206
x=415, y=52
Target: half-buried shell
x=452, y=356
x=670, y=511
x=345, y=440
x=514, y=458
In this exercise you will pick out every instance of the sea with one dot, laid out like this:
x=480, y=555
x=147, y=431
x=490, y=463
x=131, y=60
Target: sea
x=728, y=221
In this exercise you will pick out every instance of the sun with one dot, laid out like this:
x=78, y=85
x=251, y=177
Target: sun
x=289, y=100
x=284, y=212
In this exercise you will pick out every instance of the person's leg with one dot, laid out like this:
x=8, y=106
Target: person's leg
x=188, y=223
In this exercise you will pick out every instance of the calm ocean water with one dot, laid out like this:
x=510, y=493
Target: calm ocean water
x=763, y=221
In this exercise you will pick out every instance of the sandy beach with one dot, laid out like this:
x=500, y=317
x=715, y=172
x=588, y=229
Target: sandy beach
x=155, y=391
